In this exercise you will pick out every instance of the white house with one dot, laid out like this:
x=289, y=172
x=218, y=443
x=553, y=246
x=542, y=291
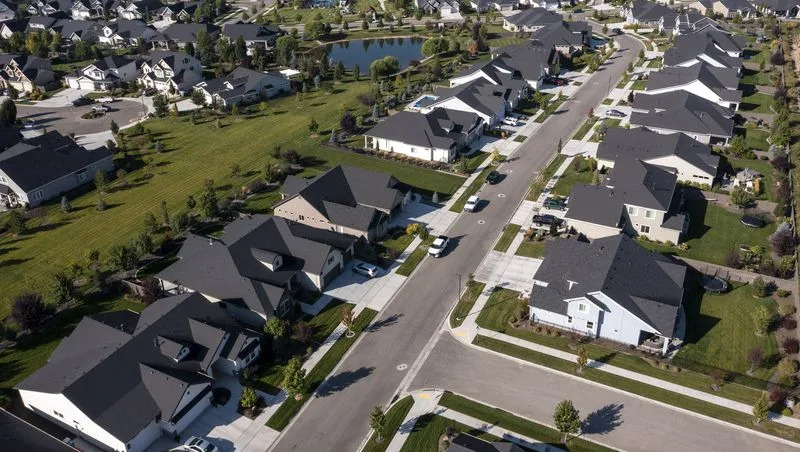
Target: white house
x=103, y=74
x=243, y=86
x=176, y=71
x=123, y=33
x=714, y=84
x=691, y=49
x=611, y=288
x=438, y=135
x=121, y=380
x=691, y=160
x=532, y=19
x=682, y=111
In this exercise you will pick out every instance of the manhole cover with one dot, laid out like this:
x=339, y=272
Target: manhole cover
x=501, y=195
x=509, y=171
x=481, y=221
x=402, y=366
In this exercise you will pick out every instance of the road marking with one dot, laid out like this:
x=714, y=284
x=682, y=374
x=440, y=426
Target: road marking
x=424, y=395
x=402, y=367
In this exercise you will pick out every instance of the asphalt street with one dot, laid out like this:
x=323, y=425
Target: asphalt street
x=619, y=420
x=68, y=119
x=337, y=419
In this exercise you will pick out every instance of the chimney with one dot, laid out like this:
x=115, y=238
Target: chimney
x=210, y=241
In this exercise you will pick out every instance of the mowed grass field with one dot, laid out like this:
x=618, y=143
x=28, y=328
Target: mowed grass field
x=194, y=154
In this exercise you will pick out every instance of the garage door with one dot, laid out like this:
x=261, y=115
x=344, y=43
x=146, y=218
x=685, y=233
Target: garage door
x=87, y=85
x=331, y=276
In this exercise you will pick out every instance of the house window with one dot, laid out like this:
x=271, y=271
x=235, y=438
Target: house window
x=589, y=325
x=649, y=214
x=632, y=211
x=81, y=175
x=581, y=307
x=569, y=319
x=58, y=414
x=301, y=217
x=331, y=258
x=645, y=229
x=37, y=195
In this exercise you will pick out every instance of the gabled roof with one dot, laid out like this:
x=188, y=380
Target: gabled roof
x=481, y=95
x=643, y=282
x=250, y=32
x=721, y=81
x=724, y=40
x=239, y=82
x=441, y=128
x=17, y=434
x=347, y=195
x=188, y=32
x=229, y=268
x=643, y=144
x=534, y=17
x=652, y=11
x=562, y=34
x=779, y=5
x=122, y=380
x=682, y=111
x=690, y=47
x=16, y=24
x=511, y=64
x=40, y=160
x=738, y=5
x=112, y=62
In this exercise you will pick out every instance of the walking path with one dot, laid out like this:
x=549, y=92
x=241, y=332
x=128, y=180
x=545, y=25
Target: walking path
x=736, y=274
x=424, y=402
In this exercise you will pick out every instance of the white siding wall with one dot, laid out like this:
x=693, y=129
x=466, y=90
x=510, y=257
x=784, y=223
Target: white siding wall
x=592, y=231
x=146, y=437
x=457, y=104
x=587, y=320
x=697, y=88
x=457, y=81
x=424, y=153
x=48, y=404
x=196, y=410
x=618, y=324
x=686, y=171
x=64, y=184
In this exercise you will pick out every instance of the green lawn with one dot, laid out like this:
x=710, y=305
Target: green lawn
x=473, y=188
x=756, y=103
x=516, y=424
x=639, y=85
x=194, y=153
x=638, y=388
x=507, y=237
x=397, y=245
x=414, y=258
x=291, y=406
x=608, y=101
x=585, y=127
x=655, y=63
x=475, y=159
x=624, y=81
x=762, y=167
x=394, y=418
x=499, y=307
x=548, y=110
x=33, y=351
x=571, y=177
x=721, y=329
x=538, y=184
x=713, y=233
x=754, y=138
x=465, y=303
x=752, y=78
x=270, y=378
x=424, y=437
x=531, y=248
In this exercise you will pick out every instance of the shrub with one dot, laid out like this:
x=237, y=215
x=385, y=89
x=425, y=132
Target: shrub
x=788, y=323
x=787, y=366
x=783, y=293
x=777, y=395
x=29, y=310
x=786, y=411
x=790, y=345
x=786, y=309
x=759, y=287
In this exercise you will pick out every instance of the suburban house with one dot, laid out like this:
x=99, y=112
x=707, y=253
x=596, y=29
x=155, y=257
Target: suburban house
x=123, y=33
x=121, y=379
x=567, y=38
x=243, y=86
x=56, y=8
x=41, y=23
x=596, y=289
x=726, y=8
x=691, y=20
x=25, y=436
x=73, y=31
x=252, y=34
x=257, y=265
x=486, y=99
x=546, y=4
x=135, y=9
x=9, y=27
x=344, y=199
x=684, y=112
x=648, y=14
x=442, y=6
x=83, y=9
x=690, y=50
x=779, y=8
x=104, y=74
x=635, y=198
x=177, y=12
x=691, y=160
x=438, y=135
x=531, y=20
x=714, y=84
x=179, y=34
x=8, y=11
x=530, y=62
x=44, y=167
x=468, y=443
x=731, y=44
x=26, y=72
x=167, y=70
x=495, y=5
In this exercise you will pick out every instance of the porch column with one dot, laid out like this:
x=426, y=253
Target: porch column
x=665, y=347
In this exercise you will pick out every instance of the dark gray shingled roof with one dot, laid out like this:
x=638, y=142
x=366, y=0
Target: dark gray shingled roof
x=188, y=32
x=652, y=11
x=779, y=5
x=534, y=17
x=229, y=269
x=239, y=82
x=112, y=62
x=630, y=182
x=347, y=195
x=441, y=128
x=645, y=283
x=726, y=41
x=43, y=159
x=527, y=61
x=122, y=380
x=18, y=435
x=682, y=111
x=482, y=95
x=250, y=32
x=643, y=144
x=688, y=48
x=722, y=81
x=468, y=443
x=562, y=34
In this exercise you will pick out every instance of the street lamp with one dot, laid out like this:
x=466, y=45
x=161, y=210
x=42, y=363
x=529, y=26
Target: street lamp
x=458, y=294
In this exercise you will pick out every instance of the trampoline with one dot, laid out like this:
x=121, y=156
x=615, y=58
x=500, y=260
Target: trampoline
x=714, y=284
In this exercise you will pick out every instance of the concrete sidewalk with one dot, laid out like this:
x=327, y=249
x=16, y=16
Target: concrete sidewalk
x=424, y=402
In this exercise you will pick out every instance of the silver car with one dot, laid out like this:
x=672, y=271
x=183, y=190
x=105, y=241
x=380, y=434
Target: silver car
x=196, y=444
x=365, y=269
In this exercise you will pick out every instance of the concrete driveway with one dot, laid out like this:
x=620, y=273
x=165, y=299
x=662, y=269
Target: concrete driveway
x=355, y=288
x=67, y=119
x=508, y=271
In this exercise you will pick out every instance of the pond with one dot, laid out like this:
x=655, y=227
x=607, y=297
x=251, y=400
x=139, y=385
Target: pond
x=364, y=51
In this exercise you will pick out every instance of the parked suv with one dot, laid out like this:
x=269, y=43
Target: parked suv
x=547, y=220
x=438, y=246
x=472, y=203
x=81, y=101
x=555, y=204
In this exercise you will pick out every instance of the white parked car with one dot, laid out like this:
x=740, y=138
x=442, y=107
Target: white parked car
x=28, y=123
x=366, y=269
x=196, y=444
x=615, y=114
x=101, y=108
x=472, y=204
x=510, y=121
x=438, y=246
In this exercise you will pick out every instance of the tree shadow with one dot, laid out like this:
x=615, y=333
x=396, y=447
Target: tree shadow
x=342, y=380
x=603, y=421
x=10, y=262
x=47, y=227
x=388, y=321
